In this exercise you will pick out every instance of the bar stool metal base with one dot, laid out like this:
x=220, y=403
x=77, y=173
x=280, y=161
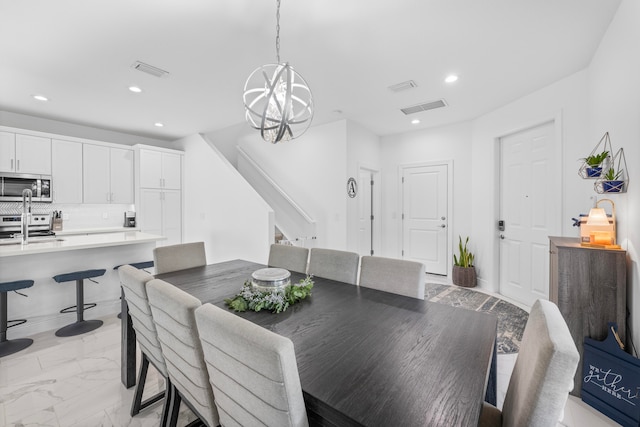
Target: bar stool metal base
x=78, y=328
x=13, y=346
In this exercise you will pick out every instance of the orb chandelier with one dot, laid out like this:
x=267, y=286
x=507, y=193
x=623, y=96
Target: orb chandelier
x=277, y=100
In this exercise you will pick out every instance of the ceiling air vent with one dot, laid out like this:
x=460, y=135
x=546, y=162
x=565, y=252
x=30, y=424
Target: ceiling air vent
x=424, y=106
x=149, y=69
x=409, y=84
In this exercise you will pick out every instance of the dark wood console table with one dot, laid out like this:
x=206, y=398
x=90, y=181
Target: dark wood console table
x=589, y=286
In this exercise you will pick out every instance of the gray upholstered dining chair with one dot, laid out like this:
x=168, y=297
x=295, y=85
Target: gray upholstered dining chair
x=135, y=292
x=173, y=312
x=393, y=275
x=334, y=265
x=252, y=370
x=179, y=257
x=292, y=258
x=542, y=376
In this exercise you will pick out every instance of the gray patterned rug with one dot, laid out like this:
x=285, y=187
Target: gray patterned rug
x=511, y=319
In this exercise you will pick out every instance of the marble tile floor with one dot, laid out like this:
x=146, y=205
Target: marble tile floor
x=75, y=381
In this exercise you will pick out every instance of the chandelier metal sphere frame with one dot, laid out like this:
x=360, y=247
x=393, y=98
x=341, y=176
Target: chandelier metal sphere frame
x=277, y=100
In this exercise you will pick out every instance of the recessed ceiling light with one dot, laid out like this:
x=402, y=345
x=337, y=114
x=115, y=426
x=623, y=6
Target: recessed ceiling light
x=158, y=124
x=415, y=121
x=451, y=78
x=135, y=89
x=40, y=97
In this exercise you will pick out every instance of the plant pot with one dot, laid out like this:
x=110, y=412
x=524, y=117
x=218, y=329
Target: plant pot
x=612, y=186
x=594, y=171
x=464, y=276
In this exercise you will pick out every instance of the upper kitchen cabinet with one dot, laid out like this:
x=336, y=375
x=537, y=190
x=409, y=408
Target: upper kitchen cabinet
x=66, y=173
x=160, y=169
x=25, y=154
x=107, y=174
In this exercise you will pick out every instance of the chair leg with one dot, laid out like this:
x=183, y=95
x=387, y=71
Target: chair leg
x=176, y=399
x=142, y=377
x=138, y=404
x=166, y=409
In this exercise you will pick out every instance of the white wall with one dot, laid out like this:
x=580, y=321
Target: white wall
x=443, y=144
x=220, y=208
x=564, y=101
x=363, y=150
x=614, y=100
x=312, y=170
x=226, y=140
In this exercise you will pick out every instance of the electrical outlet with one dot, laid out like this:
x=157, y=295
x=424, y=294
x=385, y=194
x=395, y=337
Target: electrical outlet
x=65, y=216
x=105, y=215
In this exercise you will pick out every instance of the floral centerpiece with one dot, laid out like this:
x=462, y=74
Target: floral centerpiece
x=276, y=300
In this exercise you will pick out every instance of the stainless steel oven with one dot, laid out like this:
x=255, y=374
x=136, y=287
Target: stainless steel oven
x=12, y=185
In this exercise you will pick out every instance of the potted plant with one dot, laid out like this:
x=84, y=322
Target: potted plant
x=594, y=161
x=464, y=273
x=611, y=182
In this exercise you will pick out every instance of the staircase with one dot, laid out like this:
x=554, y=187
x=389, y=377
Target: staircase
x=293, y=225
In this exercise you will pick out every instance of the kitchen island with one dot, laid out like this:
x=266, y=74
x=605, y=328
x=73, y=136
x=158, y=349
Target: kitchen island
x=40, y=261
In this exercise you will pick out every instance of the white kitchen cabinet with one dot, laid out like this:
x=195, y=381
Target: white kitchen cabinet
x=121, y=175
x=160, y=212
x=107, y=174
x=159, y=192
x=25, y=154
x=7, y=151
x=160, y=169
x=66, y=171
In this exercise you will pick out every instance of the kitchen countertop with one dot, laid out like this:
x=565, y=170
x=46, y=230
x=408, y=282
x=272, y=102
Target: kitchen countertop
x=75, y=242
x=72, y=232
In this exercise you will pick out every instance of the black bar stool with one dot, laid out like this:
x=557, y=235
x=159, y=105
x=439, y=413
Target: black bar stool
x=80, y=326
x=8, y=347
x=140, y=266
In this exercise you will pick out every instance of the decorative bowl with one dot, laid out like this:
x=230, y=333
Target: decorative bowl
x=270, y=279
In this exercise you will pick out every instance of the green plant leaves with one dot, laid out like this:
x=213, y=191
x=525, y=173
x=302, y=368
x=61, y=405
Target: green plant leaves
x=276, y=301
x=465, y=258
x=596, y=159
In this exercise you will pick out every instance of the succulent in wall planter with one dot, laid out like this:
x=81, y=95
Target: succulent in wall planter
x=611, y=183
x=594, y=162
x=464, y=272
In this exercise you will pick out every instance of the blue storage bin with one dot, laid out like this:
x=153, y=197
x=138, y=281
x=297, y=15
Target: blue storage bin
x=611, y=379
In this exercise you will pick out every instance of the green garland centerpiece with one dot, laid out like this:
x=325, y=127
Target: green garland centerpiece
x=276, y=300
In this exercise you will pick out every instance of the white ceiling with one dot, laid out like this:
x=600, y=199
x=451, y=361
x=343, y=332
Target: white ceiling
x=79, y=54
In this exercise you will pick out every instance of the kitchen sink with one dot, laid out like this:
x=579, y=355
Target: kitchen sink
x=32, y=240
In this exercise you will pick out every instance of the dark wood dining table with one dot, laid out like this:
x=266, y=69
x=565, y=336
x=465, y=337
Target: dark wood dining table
x=365, y=357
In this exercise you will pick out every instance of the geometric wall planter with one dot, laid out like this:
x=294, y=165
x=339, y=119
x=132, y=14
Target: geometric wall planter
x=598, y=161
x=615, y=179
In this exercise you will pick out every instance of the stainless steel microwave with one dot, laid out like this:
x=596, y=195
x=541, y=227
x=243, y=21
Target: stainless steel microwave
x=13, y=184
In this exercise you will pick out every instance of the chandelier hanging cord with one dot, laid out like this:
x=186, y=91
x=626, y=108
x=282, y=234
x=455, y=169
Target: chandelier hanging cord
x=278, y=32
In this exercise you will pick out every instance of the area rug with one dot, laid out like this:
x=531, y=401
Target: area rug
x=511, y=319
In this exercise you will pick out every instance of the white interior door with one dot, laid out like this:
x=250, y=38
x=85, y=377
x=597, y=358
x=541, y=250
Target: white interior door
x=365, y=212
x=530, y=208
x=425, y=202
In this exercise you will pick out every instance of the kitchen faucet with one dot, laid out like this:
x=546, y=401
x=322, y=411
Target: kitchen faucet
x=26, y=215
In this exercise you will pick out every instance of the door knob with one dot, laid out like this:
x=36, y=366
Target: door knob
x=442, y=218
x=502, y=236
x=442, y=226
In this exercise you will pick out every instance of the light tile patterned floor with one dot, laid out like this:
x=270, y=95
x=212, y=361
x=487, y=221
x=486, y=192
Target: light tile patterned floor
x=75, y=381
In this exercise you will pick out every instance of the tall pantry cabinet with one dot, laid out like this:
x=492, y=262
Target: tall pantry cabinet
x=159, y=192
